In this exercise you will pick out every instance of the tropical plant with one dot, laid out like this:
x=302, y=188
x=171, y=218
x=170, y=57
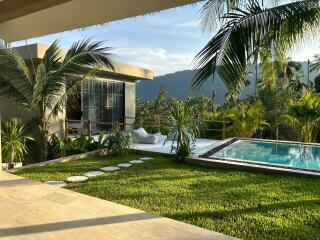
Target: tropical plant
x=13, y=142
x=304, y=115
x=183, y=151
x=317, y=84
x=248, y=32
x=182, y=130
x=200, y=104
x=119, y=143
x=70, y=146
x=247, y=119
x=101, y=141
x=44, y=89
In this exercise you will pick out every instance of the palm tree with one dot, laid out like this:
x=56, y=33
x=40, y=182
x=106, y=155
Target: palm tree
x=14, y=138
x=44, y=89
x=182, y=130
x=247, y=120
x=248, y=32
x=304, y=115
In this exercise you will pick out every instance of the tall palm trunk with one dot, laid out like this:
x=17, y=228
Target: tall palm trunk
x=43, y=141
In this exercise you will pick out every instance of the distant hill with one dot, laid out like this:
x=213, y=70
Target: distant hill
x=178, y=85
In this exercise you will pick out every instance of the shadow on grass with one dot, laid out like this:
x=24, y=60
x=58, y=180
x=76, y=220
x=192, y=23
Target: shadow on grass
x=260, y=208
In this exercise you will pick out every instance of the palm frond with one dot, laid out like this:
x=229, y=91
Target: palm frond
x=16, y=79
x=253, y=30
x=72, y=90
x=87, y=54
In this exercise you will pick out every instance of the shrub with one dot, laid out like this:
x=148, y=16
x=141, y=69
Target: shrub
x=182, y=131
x=182, y=151
x=13, y=142
x=119, y=143
x=304, y=115
x=67, y=146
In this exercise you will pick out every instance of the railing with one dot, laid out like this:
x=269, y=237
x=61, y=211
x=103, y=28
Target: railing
x=157, y=123
x=85, y=127
x=223, y=130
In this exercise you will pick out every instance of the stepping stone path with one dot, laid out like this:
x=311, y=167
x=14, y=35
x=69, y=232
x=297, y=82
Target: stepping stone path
x=110, y=169
x=93, y=173
x=146, y=158
x=57, y=183
x=77, y=179
x=136, y=161
x=124, y=165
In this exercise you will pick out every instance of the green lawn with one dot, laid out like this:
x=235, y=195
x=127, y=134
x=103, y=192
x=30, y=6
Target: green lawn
x=242, y=204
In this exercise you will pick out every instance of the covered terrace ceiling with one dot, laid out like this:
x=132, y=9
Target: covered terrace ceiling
x=24, y=19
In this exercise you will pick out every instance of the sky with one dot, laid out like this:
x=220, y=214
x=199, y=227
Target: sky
x=164, y=42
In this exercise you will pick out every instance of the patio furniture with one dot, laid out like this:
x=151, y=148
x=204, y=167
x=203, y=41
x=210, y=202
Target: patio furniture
x=141, y=136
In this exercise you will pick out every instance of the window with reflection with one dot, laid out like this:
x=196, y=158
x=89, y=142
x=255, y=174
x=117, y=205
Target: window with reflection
x=103, y=101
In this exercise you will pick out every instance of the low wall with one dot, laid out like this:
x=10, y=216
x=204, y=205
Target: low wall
x=59, y=160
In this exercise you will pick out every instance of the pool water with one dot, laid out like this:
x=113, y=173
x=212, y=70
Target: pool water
x=286, y=154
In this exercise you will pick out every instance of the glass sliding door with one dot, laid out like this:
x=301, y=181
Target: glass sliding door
x=103, y=101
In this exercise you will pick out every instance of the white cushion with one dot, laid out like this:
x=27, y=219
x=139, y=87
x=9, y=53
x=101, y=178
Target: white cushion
x=141, y=136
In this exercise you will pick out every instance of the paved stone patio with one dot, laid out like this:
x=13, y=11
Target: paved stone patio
x=32, y=210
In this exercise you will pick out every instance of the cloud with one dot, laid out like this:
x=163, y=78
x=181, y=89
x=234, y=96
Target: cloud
x=157, y=59
x=191, y=24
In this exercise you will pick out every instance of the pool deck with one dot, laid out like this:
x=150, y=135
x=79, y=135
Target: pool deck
x=32, y=210
x=201, y=146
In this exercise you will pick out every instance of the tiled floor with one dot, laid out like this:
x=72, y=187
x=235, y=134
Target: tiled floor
x=31, y=210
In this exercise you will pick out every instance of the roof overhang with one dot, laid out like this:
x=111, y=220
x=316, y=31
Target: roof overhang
x=121, y=70
x=24, y=19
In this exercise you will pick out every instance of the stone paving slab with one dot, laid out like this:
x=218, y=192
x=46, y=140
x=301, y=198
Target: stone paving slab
x=32, y=210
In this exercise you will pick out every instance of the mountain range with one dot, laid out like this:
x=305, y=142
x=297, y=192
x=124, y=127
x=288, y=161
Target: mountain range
x=178, y=85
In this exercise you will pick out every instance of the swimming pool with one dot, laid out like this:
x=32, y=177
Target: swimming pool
x=281, y=154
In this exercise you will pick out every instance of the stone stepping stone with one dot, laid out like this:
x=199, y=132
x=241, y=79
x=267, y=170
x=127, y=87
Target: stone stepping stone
x=77, y=179
x=57, y=183
x=124, y=165
x=136, y=161
x=93, y=173
x=146, y=158
x=110, y=169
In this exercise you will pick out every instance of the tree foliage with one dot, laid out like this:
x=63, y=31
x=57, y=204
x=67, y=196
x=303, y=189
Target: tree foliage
x=247, y=119
x=304, y=115
x=248, y=33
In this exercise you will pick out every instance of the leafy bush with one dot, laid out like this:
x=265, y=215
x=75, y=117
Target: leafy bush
x=67, y=146
x=119, y=143
x=304, y=115
x=182, y=151
x=13, y=142
x=247, y=119
x=182, y=131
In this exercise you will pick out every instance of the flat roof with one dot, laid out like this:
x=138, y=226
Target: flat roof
x=130, y=72
x=24, y=19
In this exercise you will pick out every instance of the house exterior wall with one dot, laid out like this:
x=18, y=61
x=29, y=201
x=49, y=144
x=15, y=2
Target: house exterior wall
x=123, y=73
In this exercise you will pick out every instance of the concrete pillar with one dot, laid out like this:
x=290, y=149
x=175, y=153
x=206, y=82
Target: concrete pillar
x=130, y=104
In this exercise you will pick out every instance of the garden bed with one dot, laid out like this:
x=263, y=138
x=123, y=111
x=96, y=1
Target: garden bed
x=238, y=203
